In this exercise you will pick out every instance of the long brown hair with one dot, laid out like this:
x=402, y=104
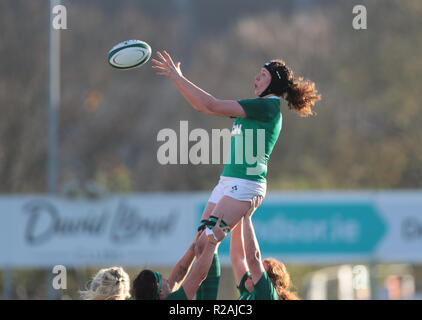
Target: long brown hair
x=280, y=278
x=299, y=93
x=301, y=96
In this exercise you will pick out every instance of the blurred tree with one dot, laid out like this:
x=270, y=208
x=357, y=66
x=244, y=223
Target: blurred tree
x=366, y=133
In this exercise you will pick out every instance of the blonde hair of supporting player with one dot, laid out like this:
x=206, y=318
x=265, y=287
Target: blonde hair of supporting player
x=108, y=284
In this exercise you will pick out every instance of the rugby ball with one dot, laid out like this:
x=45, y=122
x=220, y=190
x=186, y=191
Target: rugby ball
x=129, y=54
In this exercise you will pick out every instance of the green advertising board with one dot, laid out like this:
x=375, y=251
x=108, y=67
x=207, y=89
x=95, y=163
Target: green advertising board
x=316, y=228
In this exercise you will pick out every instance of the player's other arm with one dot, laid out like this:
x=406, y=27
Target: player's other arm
x=237, y=252
x=203, y=264
x=252, y=251
x=181, y=269
x=201, y=100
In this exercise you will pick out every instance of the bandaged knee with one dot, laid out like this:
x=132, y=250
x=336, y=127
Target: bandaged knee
x=213, y=220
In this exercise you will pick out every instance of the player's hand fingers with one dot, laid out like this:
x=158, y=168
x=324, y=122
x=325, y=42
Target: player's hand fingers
x=252, y=207
x=219, y=234
x=168, y=58
x=255, y=202
x=226, y=228
x=162, y=58
x=220, y=218
x=260, y=198
x=198, y=234
x=221, y=231
x=158, y=68
x=159, y=63
x=219, y=221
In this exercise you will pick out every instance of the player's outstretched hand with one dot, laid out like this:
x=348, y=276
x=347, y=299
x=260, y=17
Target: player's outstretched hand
x=166, y=66
x=195, y=241
x=218, y=233
x=255, y=203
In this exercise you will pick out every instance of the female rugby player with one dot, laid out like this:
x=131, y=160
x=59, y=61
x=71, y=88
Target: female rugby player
x=256, y=279
x=241, y=180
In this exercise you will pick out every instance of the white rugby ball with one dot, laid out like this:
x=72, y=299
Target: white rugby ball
x=129, y=54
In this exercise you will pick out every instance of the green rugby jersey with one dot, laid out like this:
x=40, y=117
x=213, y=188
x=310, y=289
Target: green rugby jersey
x=264, y=289
x=244, y=293
x=177, y=295
x=249, y=152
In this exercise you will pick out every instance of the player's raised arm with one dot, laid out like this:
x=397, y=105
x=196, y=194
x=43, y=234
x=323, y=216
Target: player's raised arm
x=201, y=100
x=202, y=265
x=237, y=252
x=252, y=251
x=181, y=269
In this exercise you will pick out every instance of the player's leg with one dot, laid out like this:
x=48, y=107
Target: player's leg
x=233, y=197
x=232, y=211
x=216, y=194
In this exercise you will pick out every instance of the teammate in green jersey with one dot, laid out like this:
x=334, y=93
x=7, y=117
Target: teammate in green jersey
x=255, y=131
x=257, y=279
x=180, y=285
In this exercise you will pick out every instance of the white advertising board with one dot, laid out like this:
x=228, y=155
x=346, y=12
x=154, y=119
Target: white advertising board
x=129, y=230
x=157, y=228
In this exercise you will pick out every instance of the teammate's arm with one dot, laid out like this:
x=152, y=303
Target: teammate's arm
x=181, y=269
x=237, y=252
x=252, y=251
x=202, y=265
x=201, y=100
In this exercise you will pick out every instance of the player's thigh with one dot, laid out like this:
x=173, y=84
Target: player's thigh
x=208, y=210
x=232, y=210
